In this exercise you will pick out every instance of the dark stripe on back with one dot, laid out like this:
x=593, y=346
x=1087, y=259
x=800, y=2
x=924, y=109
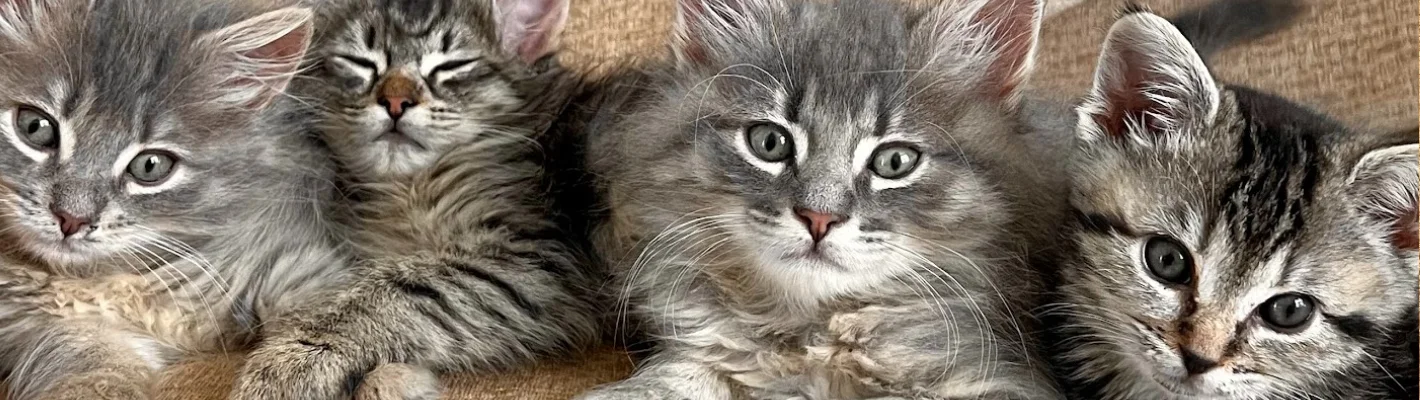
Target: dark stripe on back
x=513, y=295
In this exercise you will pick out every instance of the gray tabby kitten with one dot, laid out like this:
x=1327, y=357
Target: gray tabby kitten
x=832, y=200
x=155, y=197
x=1232, y=244
x=432, y=108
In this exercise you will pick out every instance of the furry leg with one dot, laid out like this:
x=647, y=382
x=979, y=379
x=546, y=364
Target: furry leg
x=664, y=377
x=67, y=361
x=480, y=310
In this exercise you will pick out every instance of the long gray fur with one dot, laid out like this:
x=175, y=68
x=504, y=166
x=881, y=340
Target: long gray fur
x=191, y=267
x=927, y=289
x=464, y=260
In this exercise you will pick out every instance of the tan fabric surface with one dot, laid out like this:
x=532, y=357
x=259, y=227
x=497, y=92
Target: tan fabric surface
x=1355, y=59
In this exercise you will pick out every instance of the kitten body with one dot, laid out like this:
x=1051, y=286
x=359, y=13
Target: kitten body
x=767, y=233
x=156, y=197
x=1232, y=244
x=466, y=260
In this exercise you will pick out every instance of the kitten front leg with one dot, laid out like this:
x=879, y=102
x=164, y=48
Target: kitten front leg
x=942, y=351
x=665, y=376
x=430, y=311
x=73, y=360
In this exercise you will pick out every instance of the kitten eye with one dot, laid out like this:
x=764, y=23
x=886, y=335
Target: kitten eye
x=451, y=65
x=895, y=162
x=357, y=62
x=769, y=142
x=1168, y=260
x=152, y=167
x=1286, y=312
x=36, y=128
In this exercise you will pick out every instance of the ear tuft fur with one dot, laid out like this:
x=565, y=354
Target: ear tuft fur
x=531, y=29
x=1385, y=184
x=259, y=56
x=1149, y=82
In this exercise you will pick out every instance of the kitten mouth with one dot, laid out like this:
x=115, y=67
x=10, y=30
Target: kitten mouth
x=395, y=137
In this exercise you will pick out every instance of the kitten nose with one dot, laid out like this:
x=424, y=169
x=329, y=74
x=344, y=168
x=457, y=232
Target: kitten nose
x=396, y=105
x=1197, y=364
x=819, y=223
x=70, y=224
x=398, y=93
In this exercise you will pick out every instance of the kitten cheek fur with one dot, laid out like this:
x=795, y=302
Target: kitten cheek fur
x=198, y=78
x=688, y=204
x=1275, y=199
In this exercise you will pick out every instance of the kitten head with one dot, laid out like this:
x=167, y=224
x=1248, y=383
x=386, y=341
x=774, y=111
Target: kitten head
x=844, y=143
x=1234, y=245
x=400, y=82
x=127, y=125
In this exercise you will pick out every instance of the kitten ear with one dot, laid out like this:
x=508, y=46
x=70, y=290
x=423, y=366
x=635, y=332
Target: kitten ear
x=998, y=37
x=530, y=29
x=1384, y=184
x=259, y=56
x=704, y=25
x=1149, y=81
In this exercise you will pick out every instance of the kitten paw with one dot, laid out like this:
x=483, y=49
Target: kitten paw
x=292, y=370
x=98, y=386
x=399, y=382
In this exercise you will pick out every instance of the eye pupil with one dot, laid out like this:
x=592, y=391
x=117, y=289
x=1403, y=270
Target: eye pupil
x=151, y=168
x=769, y=142
x=895, y=162
x=1288, y=311
x=1168, y=260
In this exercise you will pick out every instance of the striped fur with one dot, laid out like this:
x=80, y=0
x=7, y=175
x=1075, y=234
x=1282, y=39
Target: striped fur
x=1269, y=198
x=466, y=260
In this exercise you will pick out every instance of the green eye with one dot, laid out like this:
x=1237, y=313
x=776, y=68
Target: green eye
x=36, y=128
x=770, y=142
x=895, y=162
x=1168, y=259
x=1287, y=312
x=152, y=167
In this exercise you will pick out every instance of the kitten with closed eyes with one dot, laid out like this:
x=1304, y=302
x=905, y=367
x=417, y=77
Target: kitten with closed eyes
x=831, y=200
x=157, y=195
x=466, y=257
x=1231, y=244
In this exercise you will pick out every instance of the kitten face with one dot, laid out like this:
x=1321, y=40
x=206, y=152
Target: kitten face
x=118, y=153
x=400, y=82
x=838, y=158
x=1230, y=246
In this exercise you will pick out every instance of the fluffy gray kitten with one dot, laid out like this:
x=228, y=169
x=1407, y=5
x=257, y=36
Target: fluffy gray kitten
x=155, y=197
x=1232, y=244
x=433, y=110
x=831, y=200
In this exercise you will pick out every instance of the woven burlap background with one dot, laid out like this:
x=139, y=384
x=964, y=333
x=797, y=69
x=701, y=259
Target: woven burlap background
x=1354, y=59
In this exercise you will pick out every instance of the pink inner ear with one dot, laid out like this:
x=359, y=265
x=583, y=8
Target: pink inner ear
x=1407, y=231
x=1124, y=98
x=283, y=49
x=1013, y=33
x=279, y=58
x=530, y=27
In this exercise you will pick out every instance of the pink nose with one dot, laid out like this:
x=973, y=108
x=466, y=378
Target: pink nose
x=819, y=223
x=70, y=224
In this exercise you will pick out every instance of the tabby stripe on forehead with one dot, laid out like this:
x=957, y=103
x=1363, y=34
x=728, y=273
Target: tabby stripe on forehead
x=1274, y=180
